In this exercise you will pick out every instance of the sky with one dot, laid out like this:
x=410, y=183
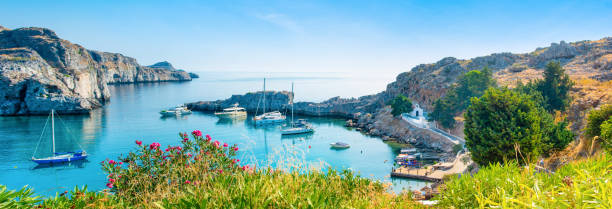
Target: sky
x=386, y=37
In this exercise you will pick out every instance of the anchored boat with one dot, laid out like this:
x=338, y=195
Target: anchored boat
x=178, y=110
x=232, y=112
x=57, y=157
x=340, y=145
x=267, y=117
x=301, y=127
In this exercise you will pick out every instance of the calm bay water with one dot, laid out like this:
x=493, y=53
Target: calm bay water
x=133, y=115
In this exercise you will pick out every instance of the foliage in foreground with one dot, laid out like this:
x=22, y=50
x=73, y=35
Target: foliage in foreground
x=504, y=124
x=202, y=173
x=580, y=184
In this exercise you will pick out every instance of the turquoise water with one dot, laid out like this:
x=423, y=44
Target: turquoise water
x=133, y=115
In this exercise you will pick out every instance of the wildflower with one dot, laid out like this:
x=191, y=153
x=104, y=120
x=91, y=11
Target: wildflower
x=225, y=145
x=185, y=139
x=167, y=149
x=237, y=160
x=112, y=162
x=189, y=154
x=216, y=144
x=109, y=185
x=309, y=146
x=197, y=133
x=220, y=171
x=208, y=138
x=111, y=180
x=178, y=148
x=187, y=182
x=120, y=163
x=138, y=142
x=235, y=148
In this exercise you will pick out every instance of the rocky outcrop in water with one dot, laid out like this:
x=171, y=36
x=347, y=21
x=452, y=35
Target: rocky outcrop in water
x=39, y=71
x=336, y=107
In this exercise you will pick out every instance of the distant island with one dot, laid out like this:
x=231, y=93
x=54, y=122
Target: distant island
x=40, y=71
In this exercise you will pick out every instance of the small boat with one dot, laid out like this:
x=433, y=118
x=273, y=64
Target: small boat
x=301, y=127
x=178, y=110
x=267, y=117
x=232, y=112
x=340, y=145
x=58, y=157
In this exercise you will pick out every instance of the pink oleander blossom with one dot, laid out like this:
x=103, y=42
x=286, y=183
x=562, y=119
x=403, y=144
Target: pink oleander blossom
x=197, y=133
x=154, y=145
x=225, y=145
x=138, y=142
x=235, y=148
x=112, y=162
x=208, y=138
x=109, y=185
x=185, y=139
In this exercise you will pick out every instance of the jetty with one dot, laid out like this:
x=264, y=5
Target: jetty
x=435, y=172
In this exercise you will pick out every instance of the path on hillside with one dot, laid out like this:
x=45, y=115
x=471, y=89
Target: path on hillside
x=421, y=122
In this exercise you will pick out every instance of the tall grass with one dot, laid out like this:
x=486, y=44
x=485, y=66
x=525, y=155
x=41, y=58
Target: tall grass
x=580, y=184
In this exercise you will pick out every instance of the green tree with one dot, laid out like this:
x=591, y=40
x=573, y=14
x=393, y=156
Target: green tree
x=457, y=98
x=596, y=118
x=400, y=104
x=606, y=134
x=555, y=87
x=503, y=125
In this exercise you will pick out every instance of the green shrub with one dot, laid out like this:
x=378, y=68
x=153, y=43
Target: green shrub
x=503, y=125
x=400, y=104
x=596, y=118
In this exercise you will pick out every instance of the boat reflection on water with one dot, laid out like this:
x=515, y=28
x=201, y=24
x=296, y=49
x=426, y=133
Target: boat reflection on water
x=62, y=166
x=230, y=121
x=176, y=117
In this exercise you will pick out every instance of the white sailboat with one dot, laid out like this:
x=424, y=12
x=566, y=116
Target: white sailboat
x=268, y=117
x=177, y=111
x=56, y=156
x=301, y=127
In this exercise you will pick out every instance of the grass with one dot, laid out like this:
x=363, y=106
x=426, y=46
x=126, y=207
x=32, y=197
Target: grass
x=579, y=184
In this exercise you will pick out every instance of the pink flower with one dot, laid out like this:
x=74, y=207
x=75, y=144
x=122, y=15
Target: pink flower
x=154, y=145
x=111, y=180
x=185, y=139
x=235, y=148
x=309, y=146
x=225, y=145
x=197, y=133
x=109, y=185
x=187, y=182
x=138, y=142
x=220, y=170
x=189, y=154
x=208, y=138
x=178, y=148
x=112, y=162
x=237, y=160
x=216, y=144
x=120, y=163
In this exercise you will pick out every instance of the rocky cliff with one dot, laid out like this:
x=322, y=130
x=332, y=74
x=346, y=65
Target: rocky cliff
x=40, y=71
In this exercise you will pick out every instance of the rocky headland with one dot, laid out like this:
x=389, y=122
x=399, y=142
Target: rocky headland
x=589, y=64
x=40, y=71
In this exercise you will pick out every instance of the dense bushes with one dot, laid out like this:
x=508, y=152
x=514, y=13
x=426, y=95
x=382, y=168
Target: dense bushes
x=457, y=98
x=400, y=104
x=581, y=184
x=504, y=124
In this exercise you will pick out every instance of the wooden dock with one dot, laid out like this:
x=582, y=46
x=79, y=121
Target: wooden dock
x=433, y=173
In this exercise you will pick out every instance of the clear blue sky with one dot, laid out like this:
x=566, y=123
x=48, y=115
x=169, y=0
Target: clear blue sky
x=326, y=36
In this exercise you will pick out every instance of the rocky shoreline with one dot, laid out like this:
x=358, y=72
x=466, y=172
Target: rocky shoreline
x=40, y=71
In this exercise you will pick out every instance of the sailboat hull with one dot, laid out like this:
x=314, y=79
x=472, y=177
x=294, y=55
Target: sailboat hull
x=61, y=158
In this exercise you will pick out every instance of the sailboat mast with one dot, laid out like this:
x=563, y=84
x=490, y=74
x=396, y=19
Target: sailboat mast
x=264, y=97
x=53, y=131
x=292, y=96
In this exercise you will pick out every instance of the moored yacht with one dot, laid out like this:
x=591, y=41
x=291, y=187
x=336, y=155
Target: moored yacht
x=268, y=117
x=178, y=110
x=232, y=112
